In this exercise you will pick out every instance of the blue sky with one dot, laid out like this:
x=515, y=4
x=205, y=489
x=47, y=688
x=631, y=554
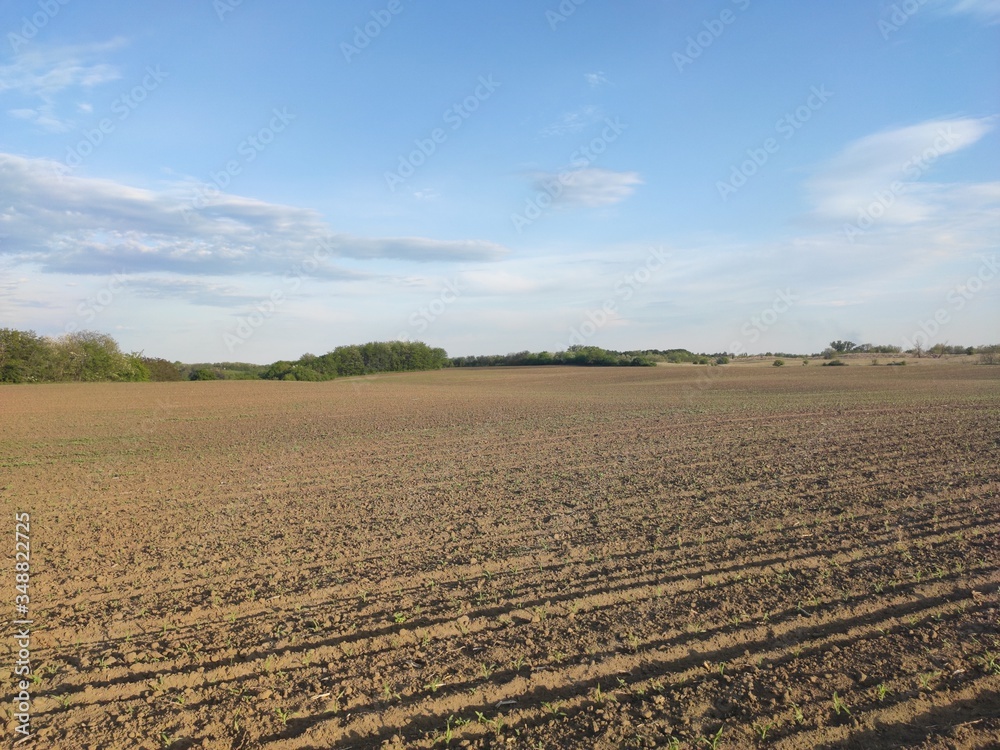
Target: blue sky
x=225, y=180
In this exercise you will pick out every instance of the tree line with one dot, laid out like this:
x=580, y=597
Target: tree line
x=81, y=356
x=588, y=356
x=364, y=359
x=87, y=356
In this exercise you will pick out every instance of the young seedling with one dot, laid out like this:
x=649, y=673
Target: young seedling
x=448, y=734
x=839, y=706
x=496, y=725
x=600, y=696
x=797, y=713
x=925, y=679
x=713, y=741
x=881, y=691
x=282, y=715
x=388, y=693
x=553, y=708
x=991, y=662
x=763, y=729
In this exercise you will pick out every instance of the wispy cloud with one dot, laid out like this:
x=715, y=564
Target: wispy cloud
x=890, y=168
x=595, y=80
x=86, y=225
x=590, y=187
x=194, y=291
x=573, y=122
x=41, y=74
x=984, y=10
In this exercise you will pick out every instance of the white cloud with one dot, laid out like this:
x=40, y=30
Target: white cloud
x=984, y=10
x=594, y=80
x=87, y=225
x=891, y=168
x=590, y=186
x=43, y=73
x=573, y=122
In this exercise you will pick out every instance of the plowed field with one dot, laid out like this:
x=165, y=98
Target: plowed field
x=792, y=557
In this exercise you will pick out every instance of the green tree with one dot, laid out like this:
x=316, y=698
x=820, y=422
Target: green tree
x=24, y=357
x=842, y=347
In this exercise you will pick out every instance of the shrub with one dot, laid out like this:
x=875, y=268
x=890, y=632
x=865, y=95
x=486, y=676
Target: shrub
x=778, y=363
x=989, y=355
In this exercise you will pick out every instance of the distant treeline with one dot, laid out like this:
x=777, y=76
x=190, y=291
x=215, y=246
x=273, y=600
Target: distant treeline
x=376, y=356
x=89, y=356
x=82, y=356
x=576, y=355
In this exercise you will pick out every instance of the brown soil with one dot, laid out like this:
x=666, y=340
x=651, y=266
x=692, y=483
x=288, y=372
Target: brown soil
x=538, y=557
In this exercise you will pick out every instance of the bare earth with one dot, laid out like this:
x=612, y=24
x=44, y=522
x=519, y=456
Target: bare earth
x=800, y=557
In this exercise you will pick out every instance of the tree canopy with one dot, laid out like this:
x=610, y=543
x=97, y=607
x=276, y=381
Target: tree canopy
x=82, y=356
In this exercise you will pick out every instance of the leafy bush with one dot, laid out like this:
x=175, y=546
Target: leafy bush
x=989, y=355
x=161, y=370
x=82, y=356
x=778, y=363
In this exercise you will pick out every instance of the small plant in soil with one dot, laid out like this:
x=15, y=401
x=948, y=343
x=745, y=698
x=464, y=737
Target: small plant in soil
x=600, y=696
x=553, y=708
x=991, y=662
x=713, y=741
x=839, y=706
x=763, y=729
